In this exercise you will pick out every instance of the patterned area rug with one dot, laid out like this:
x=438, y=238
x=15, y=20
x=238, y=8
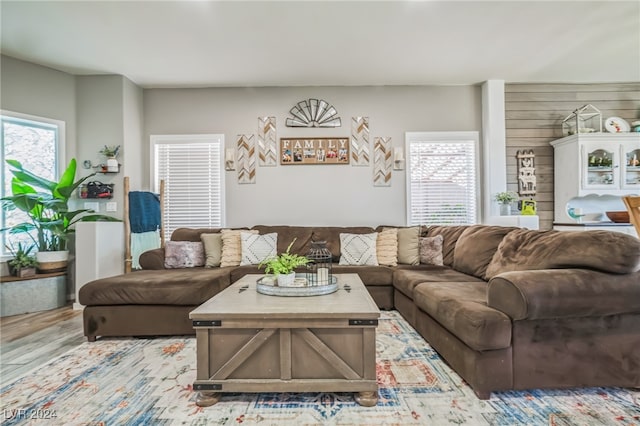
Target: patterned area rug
x=138, y=381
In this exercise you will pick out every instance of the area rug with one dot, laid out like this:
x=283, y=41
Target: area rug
x=149, y=381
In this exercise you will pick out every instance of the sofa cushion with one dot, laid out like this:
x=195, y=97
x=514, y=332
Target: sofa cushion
x=406, y=277
x=286, y=234
x=461, y=308
x=476, y=246
x=409, y=245
x=257, y=248
x=331, y=234
x=387, y=247
x=370, y=275
x=191, y=234
x=166, y=287
x=358, y=249
x=606, y=251
x=183, y=254
x=232, y=247
x=212, y=249
x=431, y=250
x=450, y=236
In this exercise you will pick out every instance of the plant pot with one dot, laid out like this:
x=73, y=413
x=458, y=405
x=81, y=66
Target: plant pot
x=112, y=165
x=26, y=272
x=52, y=261
x=286, y=280
x=505, y=209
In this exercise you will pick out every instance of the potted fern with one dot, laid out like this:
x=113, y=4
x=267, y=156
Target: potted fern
x=283, y=266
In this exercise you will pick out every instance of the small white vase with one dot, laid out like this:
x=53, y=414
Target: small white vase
x=286, y=280
x=505, y=209
x=112, y=165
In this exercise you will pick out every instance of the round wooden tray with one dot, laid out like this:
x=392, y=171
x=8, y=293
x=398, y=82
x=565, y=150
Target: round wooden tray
x=302, y=291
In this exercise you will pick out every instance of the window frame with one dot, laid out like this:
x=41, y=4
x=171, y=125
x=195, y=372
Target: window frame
x=444, y=137
x=188, y=138
x=60, y=144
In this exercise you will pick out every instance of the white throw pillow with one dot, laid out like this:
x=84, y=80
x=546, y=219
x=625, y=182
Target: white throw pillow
x=358, y=249
x=257, y=248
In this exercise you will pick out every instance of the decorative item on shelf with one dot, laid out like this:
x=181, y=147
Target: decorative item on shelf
x=319, y=266
x=576, y=213
x=313, y=113
x=111, y=154
x=616, y=125
x=526, y=173
x=230, y=159
x=50, y=220
x=505, y=199
x=527, y=207
x=586, y=119
x=283, y=266
x=23, y=263
x=635, y=126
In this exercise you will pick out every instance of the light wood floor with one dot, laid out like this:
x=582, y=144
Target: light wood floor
x=30, y=340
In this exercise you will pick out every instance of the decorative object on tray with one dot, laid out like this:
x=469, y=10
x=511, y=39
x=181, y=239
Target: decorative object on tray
x=618, y=217
x=319, y=266
x=505, y=199
x=586, y=119
x=268, y=285
x=313, y=113
x=283, y=266
x=526, y=173
x=616, y=125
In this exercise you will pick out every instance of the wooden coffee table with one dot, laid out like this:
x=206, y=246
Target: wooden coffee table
x=251, y=342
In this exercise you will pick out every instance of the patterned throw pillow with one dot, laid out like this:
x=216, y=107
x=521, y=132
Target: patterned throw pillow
x=183, y=254
x=212, y=249
x=387, y=247
x=358, y=249
x=232, y=246
x=431, y=250
x=256, y=248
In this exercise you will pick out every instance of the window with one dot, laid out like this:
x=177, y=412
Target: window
x=21, y=137
x=191, y=167
x=442, y=178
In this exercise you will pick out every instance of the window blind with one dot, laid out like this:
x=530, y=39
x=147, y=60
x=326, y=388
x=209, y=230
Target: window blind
x=192, y=172
x=442, y=182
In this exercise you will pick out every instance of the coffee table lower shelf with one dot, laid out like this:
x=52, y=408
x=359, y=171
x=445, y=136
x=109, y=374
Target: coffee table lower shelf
x=336, y=355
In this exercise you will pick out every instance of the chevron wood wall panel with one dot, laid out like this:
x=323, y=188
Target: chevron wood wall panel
x=382, y=161
x=267, y=147
x=360, y=141
x=246, y=164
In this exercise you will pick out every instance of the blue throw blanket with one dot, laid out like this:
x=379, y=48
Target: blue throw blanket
x=144, y=211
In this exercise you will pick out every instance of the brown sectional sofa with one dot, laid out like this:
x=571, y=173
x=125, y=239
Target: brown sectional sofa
x=509, y=309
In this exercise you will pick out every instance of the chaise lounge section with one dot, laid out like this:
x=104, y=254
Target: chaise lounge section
x=507, y=308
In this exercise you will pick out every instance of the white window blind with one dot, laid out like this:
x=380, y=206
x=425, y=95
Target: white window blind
x=442, y=178
x=191, y=166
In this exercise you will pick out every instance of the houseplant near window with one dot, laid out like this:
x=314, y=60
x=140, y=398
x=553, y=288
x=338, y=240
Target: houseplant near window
x=283, y=266
x=23, y=263
x=46, y=204
x=505, y=199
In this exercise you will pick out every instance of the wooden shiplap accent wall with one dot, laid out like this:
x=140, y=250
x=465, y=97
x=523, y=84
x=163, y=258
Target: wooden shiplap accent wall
x=534, y=114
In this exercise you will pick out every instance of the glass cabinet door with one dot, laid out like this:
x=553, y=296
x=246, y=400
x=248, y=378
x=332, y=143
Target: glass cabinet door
x=630, y=165
x=600, y=165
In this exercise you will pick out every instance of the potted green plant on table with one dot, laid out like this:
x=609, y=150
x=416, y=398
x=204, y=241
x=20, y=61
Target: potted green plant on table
x=46, y=204
x=283, y=266
x=505, y=199
x=23, y=263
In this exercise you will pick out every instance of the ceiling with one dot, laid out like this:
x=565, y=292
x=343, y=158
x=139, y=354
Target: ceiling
x=322, y=43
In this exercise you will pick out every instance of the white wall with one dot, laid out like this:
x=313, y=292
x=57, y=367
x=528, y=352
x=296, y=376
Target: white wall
x=313, y=194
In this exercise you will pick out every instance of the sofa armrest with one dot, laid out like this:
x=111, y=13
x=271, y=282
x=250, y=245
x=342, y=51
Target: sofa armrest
x=152, y=259
x=558, y=293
